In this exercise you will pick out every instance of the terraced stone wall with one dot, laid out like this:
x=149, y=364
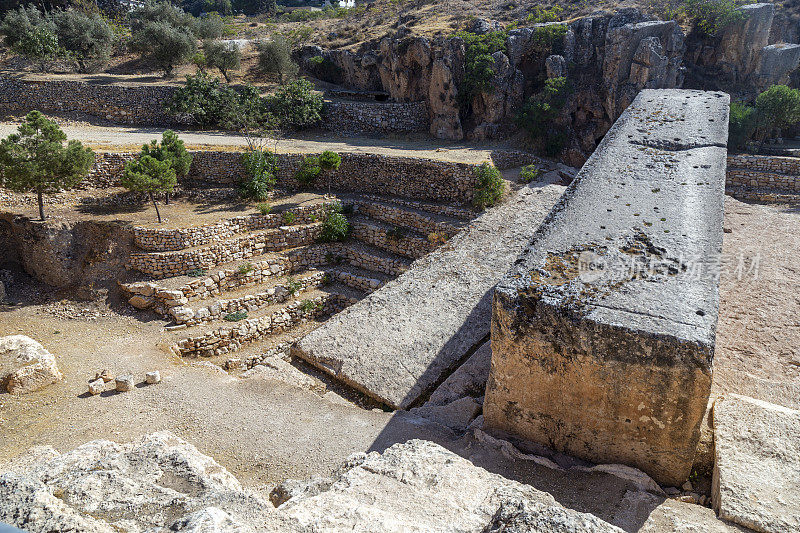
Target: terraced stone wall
x=764, y=171
x=425, y=179
x=376, y=117
x=137, y=105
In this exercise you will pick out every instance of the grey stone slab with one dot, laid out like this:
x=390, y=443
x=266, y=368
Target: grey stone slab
x=756, y=480
x=603, y=332
x=399, y=342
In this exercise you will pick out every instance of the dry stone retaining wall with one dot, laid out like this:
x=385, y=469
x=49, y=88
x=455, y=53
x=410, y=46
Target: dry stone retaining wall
x=374, y=117
x=405, y=245
x=759, y=171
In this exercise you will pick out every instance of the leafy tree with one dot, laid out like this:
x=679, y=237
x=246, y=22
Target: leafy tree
x=538, y=114
x=212, y=104
x=149, y=175
x=743, y=121
x=309, y=171
x=210, y=27
x=88, y=37
x=164, y=44
x=36, y=160
x=712, y=16
x=162, y=11
x=275, y=57
x=778, y=107
x=329, y=160
x=478, y=62
x=196, y=7
x=30, y=34
x=223, y=56
x=295, y=105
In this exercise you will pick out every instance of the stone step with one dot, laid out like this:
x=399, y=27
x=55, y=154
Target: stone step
x=410, y=218
x=221, y=338
x=413, y=332
x=358, y=278
x=399, y=240
x=175, y=263
x=173, y=239
x=448, y=210
x=251, y=298
x=763, y=194
x=370, y=257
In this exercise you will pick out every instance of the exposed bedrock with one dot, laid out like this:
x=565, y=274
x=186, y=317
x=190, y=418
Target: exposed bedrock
x=65, y=254
x=740, y=59
x=398, y=343
x=603, y=331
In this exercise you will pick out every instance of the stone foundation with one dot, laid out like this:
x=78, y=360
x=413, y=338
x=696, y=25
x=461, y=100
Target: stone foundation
x=603, y=332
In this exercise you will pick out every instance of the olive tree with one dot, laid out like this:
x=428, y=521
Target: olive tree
x=88, y=37
x=164, y=44
x=35, y=159
x=27, y=32
x=275, y=57
x=223, y=56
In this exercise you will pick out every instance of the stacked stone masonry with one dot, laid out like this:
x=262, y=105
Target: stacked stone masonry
x=228, y=339
x=780, y=174
x=373, y=117
x=397, y=240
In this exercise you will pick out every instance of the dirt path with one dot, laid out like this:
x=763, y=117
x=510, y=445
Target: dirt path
x=124, y=138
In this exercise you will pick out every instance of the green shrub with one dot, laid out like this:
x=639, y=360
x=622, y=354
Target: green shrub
x=293, y=286
x=223, y=56
x=288, y=218
x=541, y=14
x=197, y=273
x=335, y=226
x=295, y=105
x=244, y=269
x=309, y=171
x=88, y=38
x=235, y=317
x=742, y=124
x=489, y=186
x=264, y=208
x=549, y=39
x=329, y=160
x=260, y=166
x=211, y=104
x=275, y=58
x=529, y=173
x=307, y=306
x=538, y=114
x=478, y=62
x=172, y=150
x=199, y=61
x=712, y=16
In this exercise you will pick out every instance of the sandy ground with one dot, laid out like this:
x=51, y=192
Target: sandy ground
x=126, y=138
x=265, y=431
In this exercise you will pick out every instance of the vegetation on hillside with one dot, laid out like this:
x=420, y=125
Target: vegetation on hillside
x=775, y=109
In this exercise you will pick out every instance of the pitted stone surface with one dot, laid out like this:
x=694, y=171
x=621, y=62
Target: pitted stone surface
x=418, y=486
x=603, y=331
x=399, y=342
x=757, y=464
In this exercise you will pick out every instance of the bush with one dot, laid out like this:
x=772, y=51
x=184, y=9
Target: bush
x=712, y=16
x=164, y=44
x=30, y=34
x=197, y=273
x=149, y=175
x=172, y=150
x=260, y=166
x=329, y=160
x=235, y=317
x=307, y=306
x=87, y=37
x=256, y=7
x=295, y=106
x=335, y=227
x=489, y=186
x=541, y=15
x=538, y=114
x=742, y=124
x=264, y=208
x=778, y=107
x=288, y=218
x=197, y=7
x=309, y=171
x=293, y=286
x=223, y=56
x=529, y=173
x=209, y=27
x=244, y=269
x=549, y=39
x=478, y=62
x=275, y=57
x=212, y=104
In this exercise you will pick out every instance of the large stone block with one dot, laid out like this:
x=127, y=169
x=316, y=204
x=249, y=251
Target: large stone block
x=603, y=331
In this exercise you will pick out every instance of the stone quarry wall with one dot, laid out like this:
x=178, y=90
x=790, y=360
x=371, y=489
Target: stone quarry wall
x=136, y=105
x=603, y=331
x=425, y=179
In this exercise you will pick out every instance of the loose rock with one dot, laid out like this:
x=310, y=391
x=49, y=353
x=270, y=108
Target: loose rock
x=124, y=383
x=151, y=378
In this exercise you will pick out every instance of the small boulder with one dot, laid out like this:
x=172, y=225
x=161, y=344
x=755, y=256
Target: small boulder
x=105, y=375
x=97, y=386
x=151, y=378
x=25, y=366
x=141, y=302
x=124, y=383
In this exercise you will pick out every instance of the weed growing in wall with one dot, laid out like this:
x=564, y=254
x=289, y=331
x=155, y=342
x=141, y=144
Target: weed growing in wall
x=244, y=269
x=235, y=317
x=197, y=273
x=335, y=227
x=288, y=218
x=308, y=306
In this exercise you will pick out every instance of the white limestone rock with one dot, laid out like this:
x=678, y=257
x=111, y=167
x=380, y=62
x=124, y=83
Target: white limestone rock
x=468, y=380
x=159, y=481
x=456, y=415
x=151, y=378
x=756, y=480
x=124, y=383
x=420, y=486
x=276, y=369
x=25, y=366
x=97, y=386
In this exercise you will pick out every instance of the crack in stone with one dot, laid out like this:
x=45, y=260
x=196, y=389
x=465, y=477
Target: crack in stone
x=671, y=146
